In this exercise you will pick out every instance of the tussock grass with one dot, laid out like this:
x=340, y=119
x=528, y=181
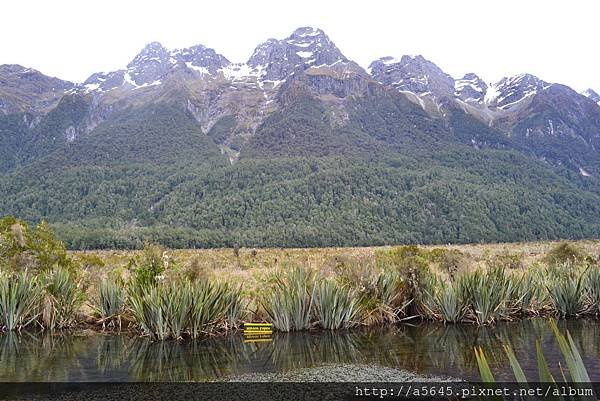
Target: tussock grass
x=19, y=300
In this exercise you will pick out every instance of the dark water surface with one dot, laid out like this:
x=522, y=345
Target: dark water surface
x=426, y=348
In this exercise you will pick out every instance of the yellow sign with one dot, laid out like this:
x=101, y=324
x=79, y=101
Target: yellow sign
x=257, y=332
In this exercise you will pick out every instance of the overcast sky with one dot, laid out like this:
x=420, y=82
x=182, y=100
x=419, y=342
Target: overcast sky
x=555, y=40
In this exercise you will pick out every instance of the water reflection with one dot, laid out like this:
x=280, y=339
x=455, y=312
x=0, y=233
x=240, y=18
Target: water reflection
x=426, y=348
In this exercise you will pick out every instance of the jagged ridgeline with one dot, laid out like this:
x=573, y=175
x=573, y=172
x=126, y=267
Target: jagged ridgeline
x=299, y=146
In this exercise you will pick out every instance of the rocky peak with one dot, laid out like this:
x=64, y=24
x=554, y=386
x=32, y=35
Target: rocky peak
x=200, y=58
x=152, y=53
x=153, y=62
x=414, y=74
x=591, y=94
x=511, y=90
x=304, y=48
x=26, y=89
x=470, y=88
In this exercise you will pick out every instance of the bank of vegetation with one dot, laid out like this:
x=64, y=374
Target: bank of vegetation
x=157, y=294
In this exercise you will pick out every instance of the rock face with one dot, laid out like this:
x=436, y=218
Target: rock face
x=305, y=47
x=156, y=63
x=28, y=90
x=413, y=74
x=593, y=95
x=230, y=101
x=509, y=91
x=470, y=88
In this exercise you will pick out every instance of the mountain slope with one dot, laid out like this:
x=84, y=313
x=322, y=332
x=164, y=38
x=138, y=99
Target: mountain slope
x=299, y=146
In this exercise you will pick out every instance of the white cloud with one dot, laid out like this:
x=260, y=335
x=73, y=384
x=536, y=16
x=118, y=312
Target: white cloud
x=555, y=40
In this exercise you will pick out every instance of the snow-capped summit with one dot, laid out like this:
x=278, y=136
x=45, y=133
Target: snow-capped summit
x=470, y=88
x=512, y=90
x=155, y=62
x=593, y=95
x=413, y=74
x=304, y=48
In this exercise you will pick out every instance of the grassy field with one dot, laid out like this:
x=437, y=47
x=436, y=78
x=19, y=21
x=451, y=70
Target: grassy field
x=248, y=266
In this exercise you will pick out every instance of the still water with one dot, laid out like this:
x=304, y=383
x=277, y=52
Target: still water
x=425, y=348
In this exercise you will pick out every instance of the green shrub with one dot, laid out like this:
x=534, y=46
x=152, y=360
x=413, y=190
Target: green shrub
x=150, y=266
x=23, y=248
x=565, y=252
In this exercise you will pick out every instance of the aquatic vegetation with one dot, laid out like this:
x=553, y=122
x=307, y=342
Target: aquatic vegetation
x=211, y=304
x=161, y=311
x=19, y=299
x=336, y=305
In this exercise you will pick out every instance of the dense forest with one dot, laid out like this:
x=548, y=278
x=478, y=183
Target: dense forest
x=390, y=175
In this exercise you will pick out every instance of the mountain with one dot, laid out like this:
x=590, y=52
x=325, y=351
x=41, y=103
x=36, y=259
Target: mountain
x=297, y=146
x=592, y=95
x=25, y=89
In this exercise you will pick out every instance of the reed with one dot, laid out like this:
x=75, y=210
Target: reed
x=593, y=290
x=210, y=306
x=183, y=309
x=160, y=311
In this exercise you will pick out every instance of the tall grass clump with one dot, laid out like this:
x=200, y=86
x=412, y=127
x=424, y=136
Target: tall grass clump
x=486, y=291
x=62, y=298
x=110, y=303
x=450, y=299
x=379, y=291
x=593, y=289
x=289, y=305
x=161, y=311
x=183, y=309
x=566, y=289
x=19, y=300
x=336, y=305
x=213, y=304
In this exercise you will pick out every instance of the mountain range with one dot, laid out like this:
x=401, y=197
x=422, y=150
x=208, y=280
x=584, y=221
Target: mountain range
x=298, y=146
